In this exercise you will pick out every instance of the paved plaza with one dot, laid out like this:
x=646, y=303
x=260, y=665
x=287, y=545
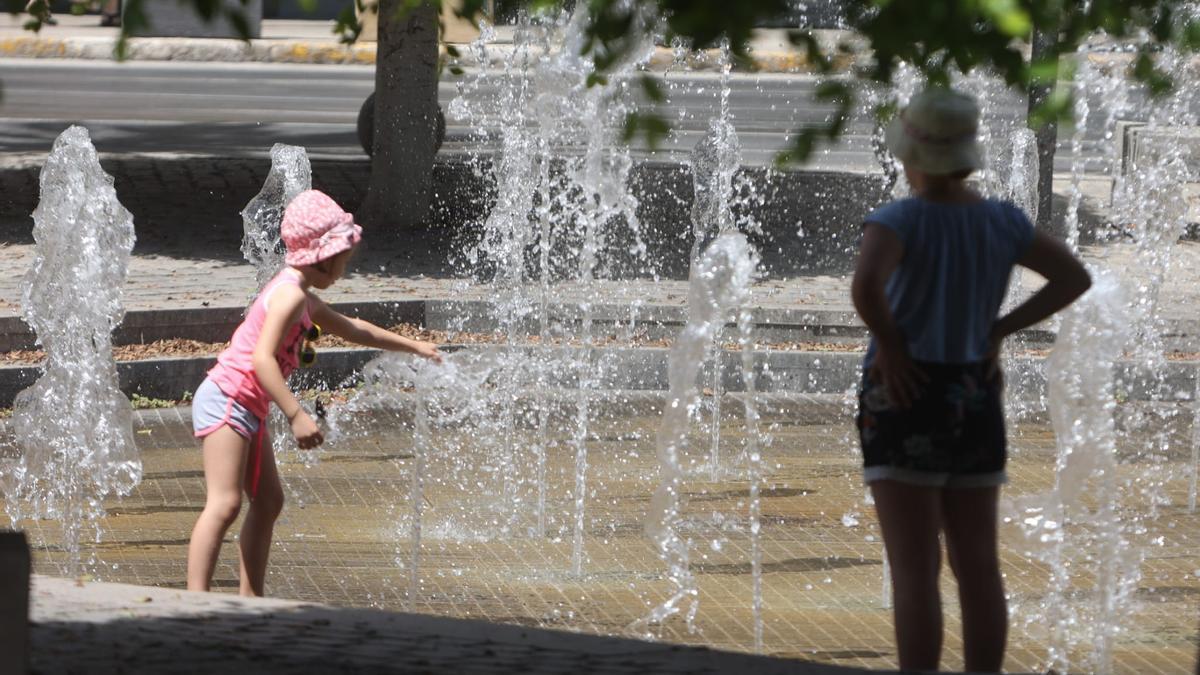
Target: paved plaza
x=97, y=627
x=345, y=541
x=490, y=586
x=189, y=232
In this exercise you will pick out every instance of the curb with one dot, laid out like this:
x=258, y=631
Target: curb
x=562, y=407
x=641, y=369
x=176, y=377
x=191, y=49
x=772, y=325
x=656, y=321
x=207, y=324
x=331, y=52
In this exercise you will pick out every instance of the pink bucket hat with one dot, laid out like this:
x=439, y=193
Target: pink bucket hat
x=315, y=228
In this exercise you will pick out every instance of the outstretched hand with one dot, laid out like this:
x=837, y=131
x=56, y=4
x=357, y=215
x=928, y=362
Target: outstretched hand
x=308, y=434
x=900, y=376
x=427, y=350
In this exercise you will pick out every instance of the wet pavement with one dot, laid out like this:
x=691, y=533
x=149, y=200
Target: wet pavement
x=345, y=540
x=345, y=537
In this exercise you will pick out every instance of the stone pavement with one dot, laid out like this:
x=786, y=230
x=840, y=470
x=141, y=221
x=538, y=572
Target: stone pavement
x=307, y=41
x=313, y=41
x=187, y=257
x=346, y=539
x=94, y=627
x=189, y=232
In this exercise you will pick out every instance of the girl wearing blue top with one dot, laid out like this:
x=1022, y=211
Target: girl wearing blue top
x=932, y=272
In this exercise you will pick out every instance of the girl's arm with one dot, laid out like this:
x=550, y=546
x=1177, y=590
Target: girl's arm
x=368, y=334
x=878, y=256
x=287, y=303
x=1066, y=280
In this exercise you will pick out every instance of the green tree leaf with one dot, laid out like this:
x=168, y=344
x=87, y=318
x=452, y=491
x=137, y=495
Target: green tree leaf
x=1009, y=17
x=652, y=89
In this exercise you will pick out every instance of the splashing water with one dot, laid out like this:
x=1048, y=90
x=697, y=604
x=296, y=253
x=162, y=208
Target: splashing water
x=1150, y=202
x=714, y=161
x=1016, y=180
x=1092, y=530
x=443, y=395
x=74, y=427
x=720, y=284
x=1149, y=207
x=563, y=205
x=407, y=392
x=754, y=468
x=1077, y=528
x=262, y=244
x=263, y=247
x=562, y=201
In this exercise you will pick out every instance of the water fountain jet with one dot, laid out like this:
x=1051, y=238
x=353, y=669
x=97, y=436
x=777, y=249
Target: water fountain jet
x=74, y=427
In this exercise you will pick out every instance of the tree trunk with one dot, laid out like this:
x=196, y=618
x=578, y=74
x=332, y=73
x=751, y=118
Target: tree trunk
x=1043, y=42
x=406, y=87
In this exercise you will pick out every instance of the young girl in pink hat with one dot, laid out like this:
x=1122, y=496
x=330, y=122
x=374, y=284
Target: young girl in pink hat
x=932, y=273
x=230, y=407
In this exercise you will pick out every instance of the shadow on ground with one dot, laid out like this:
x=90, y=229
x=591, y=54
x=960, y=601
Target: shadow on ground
x=310, y=639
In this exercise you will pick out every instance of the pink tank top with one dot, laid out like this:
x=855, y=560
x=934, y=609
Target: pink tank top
x=234, y=372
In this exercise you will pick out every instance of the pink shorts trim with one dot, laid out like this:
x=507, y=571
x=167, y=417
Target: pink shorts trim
x=226, y=420
x=213, y=409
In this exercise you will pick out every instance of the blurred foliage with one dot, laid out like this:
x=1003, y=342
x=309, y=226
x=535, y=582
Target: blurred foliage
x=937, y=37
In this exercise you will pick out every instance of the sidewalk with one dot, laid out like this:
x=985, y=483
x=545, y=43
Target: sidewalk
x=98, y=627
x=303, y=41
x=187, y=253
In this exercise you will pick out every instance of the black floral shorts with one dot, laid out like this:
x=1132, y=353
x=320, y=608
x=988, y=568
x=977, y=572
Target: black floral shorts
x=952, y=436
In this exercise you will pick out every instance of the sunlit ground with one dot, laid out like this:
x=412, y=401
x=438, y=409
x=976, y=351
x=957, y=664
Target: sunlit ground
x=344, y=538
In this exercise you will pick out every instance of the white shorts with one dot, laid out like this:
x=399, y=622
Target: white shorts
x=213, y=408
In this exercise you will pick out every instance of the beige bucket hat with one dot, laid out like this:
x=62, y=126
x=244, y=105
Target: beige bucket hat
x=935, y=133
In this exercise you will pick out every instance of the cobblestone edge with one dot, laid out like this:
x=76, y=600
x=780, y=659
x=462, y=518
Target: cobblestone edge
x=331, y=52
x=300, y=51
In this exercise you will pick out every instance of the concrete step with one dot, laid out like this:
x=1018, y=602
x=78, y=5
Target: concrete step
x=610, y=321
x=629, y=369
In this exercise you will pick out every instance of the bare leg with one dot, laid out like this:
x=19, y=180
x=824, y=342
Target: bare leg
x=970, y=521
x=224, y=463
x=259, y=525
x=910, y=517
